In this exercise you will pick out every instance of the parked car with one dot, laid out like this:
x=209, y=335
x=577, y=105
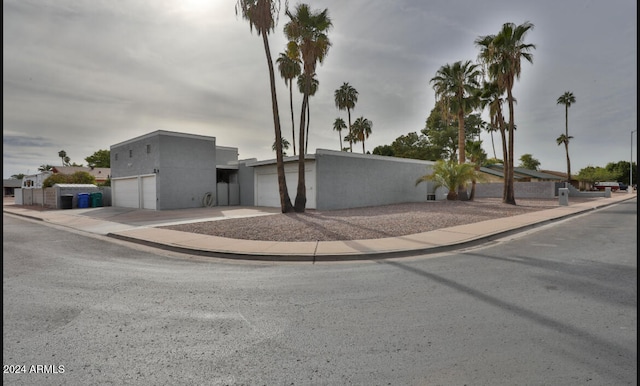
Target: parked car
x=623, y=186
x=608, y=184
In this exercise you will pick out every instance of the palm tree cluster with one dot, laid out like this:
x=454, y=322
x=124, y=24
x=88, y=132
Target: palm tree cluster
x=308, y=45
x=462, y=87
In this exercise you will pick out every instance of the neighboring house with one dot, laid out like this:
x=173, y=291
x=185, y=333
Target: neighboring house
x=9, y=187
x=525, y=175
x=34, y=181
x=527, y=183
x=169, y=170
x=101, y=175
x=563, y=175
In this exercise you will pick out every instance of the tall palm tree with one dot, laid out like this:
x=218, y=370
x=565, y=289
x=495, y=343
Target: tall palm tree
x=313, y=88
x=262, y=15
x=308, y=30
x=62, y=154
x=450, y=175
x=459, y=86
x=346, y=98
x=285, y=146
x=289, y=67
x=501, y=54
x=339, y=125
x=566, y=99
x=362, y=130
x=491, y=97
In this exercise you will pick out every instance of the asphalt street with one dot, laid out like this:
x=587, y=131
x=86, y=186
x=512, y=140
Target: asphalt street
x=556, y=305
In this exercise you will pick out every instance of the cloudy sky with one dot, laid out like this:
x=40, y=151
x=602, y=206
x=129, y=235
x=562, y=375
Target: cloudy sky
x=81, y=76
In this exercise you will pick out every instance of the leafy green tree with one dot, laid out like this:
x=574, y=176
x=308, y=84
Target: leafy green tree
x=528, y=162
x=289, y=67
x=83, y=177
x=262, y=15
x=362, y=130
x=592, y=174
x=18, y=176
x=442, y=132
x=80, y=177
x=413, y=146
x=620, y=171
x=385, y=150
x=501, y=55
x=450, y=175
x=56, y=179
x=308, y=29
x=339, y=125
x=45, y=168
x=99, y=159
x=346, y=98
x=566, y=99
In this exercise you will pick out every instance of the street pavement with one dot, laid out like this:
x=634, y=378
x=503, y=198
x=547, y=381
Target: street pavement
x=142, y=226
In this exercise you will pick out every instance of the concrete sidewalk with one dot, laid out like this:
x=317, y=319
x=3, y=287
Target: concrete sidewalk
x=141, y=226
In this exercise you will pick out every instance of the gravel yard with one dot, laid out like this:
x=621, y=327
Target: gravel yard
x=367, y=223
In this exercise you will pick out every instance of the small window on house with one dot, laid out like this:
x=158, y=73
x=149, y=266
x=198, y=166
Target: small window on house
x=148, y=149
x=130, y=153
x=116, y=156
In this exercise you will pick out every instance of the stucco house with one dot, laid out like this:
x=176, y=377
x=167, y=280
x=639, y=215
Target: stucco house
x=170, y=170
x=342, y=180
x=101, y=175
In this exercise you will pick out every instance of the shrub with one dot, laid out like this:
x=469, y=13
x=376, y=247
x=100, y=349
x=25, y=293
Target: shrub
x=75, y=178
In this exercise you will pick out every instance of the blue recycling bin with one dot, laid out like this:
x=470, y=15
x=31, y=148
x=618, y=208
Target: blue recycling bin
x=83, y=200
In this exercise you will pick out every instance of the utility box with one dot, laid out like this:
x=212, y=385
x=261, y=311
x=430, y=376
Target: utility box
x=563, y=195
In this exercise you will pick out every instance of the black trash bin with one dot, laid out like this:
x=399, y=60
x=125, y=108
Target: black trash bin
x=66, y=201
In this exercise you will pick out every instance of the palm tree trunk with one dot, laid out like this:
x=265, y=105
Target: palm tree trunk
x=350, y=134
x=301, y=193
x=566, y=148
x=493, y=145
x=510, y=198
x=462, y=190
x=285, y=201
x=306, y=144
x=293, y=124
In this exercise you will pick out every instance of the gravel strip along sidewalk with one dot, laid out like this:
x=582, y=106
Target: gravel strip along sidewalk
x=368, y=223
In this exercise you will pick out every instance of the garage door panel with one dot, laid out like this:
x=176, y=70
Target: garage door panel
x=268, y=194
x=149, y=192
x=125, y=193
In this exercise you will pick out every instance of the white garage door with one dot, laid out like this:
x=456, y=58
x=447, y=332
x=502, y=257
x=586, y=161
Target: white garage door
x=149, y=192
x=125, y=192
x=268, y=194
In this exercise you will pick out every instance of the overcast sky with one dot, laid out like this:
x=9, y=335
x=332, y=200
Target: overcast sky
x=81, y=76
